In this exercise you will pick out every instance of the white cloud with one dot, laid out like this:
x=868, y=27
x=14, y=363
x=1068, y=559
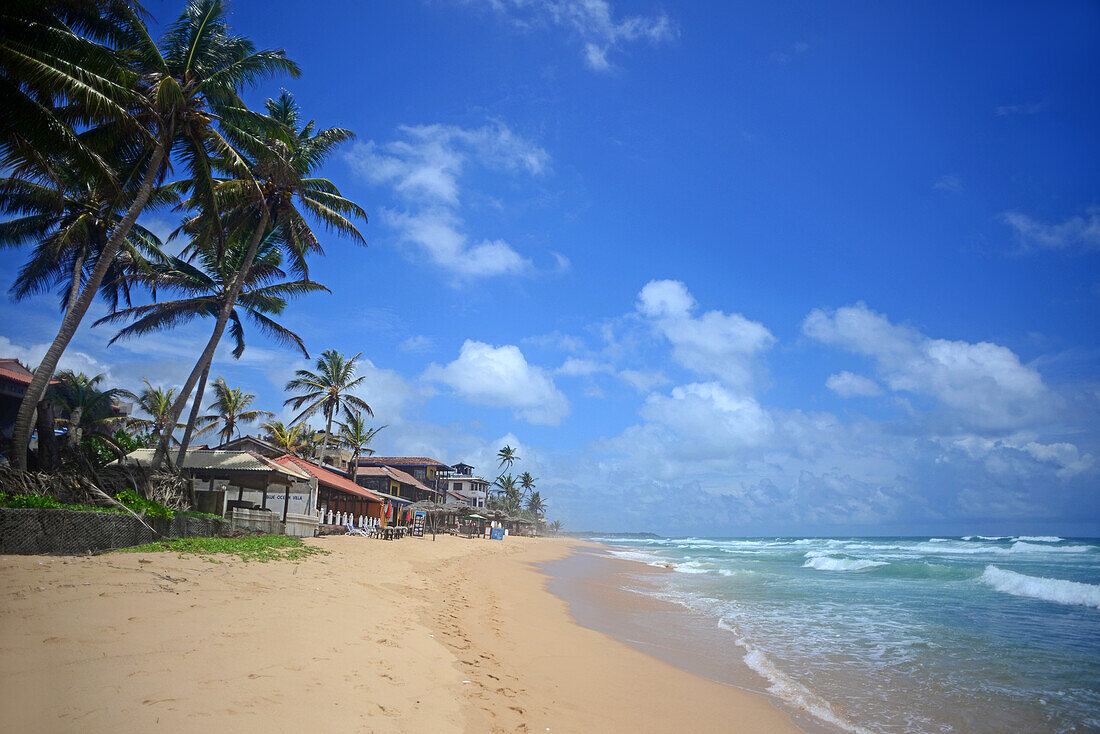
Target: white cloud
x=714, y=344
x=709, y=418
x=577, y=367
x=593, y=22
x=424, y=168
x=1078, y=232
x=1006, y=110
x=849, y=385
x=982, y=384
x=417, y=343
x=644, y=382
x=500, y=377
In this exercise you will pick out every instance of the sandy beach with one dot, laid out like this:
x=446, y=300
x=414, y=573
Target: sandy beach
x=454, y=635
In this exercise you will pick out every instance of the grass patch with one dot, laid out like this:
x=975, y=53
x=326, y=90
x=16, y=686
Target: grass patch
x=262, y=548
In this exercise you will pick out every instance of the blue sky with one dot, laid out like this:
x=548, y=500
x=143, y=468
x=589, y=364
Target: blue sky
x=734, y=268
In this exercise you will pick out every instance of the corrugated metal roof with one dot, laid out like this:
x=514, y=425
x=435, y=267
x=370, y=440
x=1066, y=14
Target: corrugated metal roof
x=220, y=460
x=400, y=461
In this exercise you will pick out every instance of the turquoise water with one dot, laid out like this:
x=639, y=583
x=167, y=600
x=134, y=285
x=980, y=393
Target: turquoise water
x=973, y=634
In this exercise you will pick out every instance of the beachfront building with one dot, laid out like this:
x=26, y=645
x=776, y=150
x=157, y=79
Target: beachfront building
x=249, y=442
x=336, y=492
x=427, y=472
x=14, y=380
x=397, y=484
x=463, y=487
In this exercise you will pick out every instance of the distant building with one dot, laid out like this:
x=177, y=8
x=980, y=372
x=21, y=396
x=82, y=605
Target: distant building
x=463, y=487
x=397, y=485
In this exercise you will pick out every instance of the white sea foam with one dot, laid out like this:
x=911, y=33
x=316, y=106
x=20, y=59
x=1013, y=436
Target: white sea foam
x=940, y=540
x=827, y=563
x=986, y=537
x=1036, y=587
x=787, y=688
x=1021, y=547
x=689, y=567
x=1040, y=538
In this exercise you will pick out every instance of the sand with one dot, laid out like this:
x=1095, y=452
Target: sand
x=454, y=635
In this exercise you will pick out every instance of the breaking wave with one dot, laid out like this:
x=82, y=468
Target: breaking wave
x=1054, y=590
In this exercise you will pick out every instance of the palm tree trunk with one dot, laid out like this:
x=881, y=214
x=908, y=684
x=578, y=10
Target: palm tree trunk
x=21, y=432
x=47, y=441
x=219, y=328
x=324, y=443
x=74, y=288
x=73, y=435
x=193, y=418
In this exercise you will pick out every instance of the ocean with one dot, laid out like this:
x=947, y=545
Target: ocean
x=965, y=634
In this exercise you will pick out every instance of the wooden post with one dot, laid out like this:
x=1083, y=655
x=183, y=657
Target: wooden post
x=286, y=504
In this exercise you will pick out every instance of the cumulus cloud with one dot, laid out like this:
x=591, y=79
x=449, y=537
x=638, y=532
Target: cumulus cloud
x=849, y=385
x=500, y=377
x=981, y=384
x=592, y=22
x=424, y=168
x=709, y=418
x=577, y=367
x=714, y=344
x=1081, y=232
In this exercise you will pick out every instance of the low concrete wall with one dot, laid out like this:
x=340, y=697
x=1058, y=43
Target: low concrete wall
x=49, y=531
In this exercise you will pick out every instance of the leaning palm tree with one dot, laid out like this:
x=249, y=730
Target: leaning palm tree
x=205, y=286
x=327, y=391
x=507, y=456
x=272, y=189
x=186, y=98
x=69, y=222
x=155, y=402
x=355, y=435
x=230, y=408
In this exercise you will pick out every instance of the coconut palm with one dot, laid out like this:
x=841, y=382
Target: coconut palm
x=507, y=456
x=69, y=222
x=507, y=486
x=205, y=286
x=527, y=481
x=287, y=438
x=555, y=527
x=355, y=435
x=154, y=402
x=267, y=198
x=536, y=505
x=327, y=391
x=85, y=405
x=187, y=96
x=60, y=72
x=230, y=408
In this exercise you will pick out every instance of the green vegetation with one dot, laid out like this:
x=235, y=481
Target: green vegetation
x=262, y=548
x=128, y=497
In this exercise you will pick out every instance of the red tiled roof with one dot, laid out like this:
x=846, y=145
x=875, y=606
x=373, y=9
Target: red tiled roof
x=14, y=370
x=399, y=461
x=327, y=478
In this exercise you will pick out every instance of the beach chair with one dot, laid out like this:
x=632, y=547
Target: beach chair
x=352, y=530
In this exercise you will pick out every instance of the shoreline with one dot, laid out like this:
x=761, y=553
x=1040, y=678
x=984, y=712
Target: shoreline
x=610, y=595
x=449, y=636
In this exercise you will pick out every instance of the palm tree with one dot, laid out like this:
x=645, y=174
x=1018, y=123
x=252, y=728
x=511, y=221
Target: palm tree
x=555, y=527
x=327, y=391
x=287, y=438
x=154, y=402
x=186, y=91
x=356, y=436
x=85, y=404
x=274, y=182
x=507, y=456
x=536, y=505
x=60, y=71
x=71, y=219
x=507, y=486
x=205, y=288
x=527, y=481
x=231, y=408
